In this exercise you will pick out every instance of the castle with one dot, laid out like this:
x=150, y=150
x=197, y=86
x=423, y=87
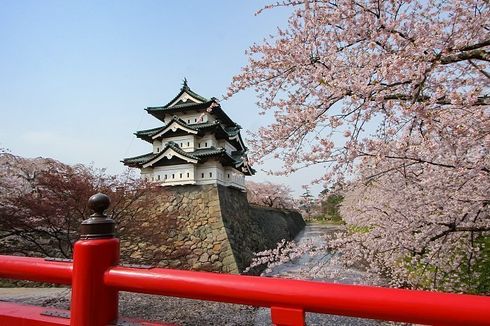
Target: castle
x=198, y=144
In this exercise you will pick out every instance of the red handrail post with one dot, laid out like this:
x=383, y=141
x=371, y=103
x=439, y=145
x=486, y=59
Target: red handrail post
x=287, y=316
x=92, y=302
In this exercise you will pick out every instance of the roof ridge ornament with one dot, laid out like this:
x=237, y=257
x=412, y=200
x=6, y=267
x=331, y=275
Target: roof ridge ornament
x=184, y=84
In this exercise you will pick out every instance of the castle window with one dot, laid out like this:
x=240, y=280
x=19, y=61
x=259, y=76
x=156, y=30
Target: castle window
x=187, y=174
x=195, y=119
x=188, y=121
x=202, y=175
x=188, y=144
x=158, y=149
x=210, y=174
x=180, y=144
x=205, y=144
x=165, y=176
x=158, y=177
x=173, y=176
x=181, y=175
x=228, y=175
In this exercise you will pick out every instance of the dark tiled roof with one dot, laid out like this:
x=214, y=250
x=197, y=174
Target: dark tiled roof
x=179, y=150
x=204, y=124
x=138, y=160
x=185, y=89
x=198, y=154
x=179, y=107
x=206, y=152
x=148, y=133
x=235, y=158
x=237, y=155
x=233, y=131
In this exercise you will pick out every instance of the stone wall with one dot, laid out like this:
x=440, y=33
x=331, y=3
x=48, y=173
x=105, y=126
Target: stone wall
x=210, y=228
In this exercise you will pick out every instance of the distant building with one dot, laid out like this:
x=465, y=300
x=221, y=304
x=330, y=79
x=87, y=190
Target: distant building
x=198, y=144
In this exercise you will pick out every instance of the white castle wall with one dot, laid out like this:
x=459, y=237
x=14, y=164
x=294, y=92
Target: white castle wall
x=187, y=143
x=191, y=118
x=211, y=172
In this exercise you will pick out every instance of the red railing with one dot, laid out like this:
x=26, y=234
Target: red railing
x=96, y=279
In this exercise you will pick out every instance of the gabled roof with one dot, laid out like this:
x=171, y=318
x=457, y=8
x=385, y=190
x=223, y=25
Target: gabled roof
x=142, y=160
x=187, y=100
x=184, y=96
x=231, y=133
x=236, y=159
x=159, y=112
x=173, y=125
x=137, y=161
x=147, y=133
x=171, y=149
x=179, y=107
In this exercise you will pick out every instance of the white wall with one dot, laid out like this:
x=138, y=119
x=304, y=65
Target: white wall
x=228, y=147
x=211, y=172
x=214, y=172
x=191, y=118
x=233, y=177
x=206, y=141
x=184, y=142
x=170, y=175
x=157, y=146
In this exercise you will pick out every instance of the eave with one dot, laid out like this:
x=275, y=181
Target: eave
x=174, y=125
x=148, y=133
x=186, y=90
x=168, y=153
x=137, y=161
x=160, y=112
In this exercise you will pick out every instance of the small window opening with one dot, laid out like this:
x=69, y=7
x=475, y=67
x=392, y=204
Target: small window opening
x=228, y=175
x=158, y=177
x=188, y=144
x=173, y=176
x=165, y=176
x=210, y=174
x=199, y=145
x=187, y=174
x=188, y=121
x=158, y=149
x=181, y=175
x=202, y=175
x=205, y=144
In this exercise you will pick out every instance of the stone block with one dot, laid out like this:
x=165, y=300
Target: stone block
x=217, y=247
x=204, y=257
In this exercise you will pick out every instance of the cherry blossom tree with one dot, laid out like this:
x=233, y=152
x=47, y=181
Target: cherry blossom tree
x=392, y=97
x=43, y=201
x=269, y=194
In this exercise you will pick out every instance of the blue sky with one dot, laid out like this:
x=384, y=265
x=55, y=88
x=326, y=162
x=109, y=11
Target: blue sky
x=75, y=76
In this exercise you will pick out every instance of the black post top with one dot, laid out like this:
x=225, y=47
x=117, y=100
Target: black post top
x=98, y=225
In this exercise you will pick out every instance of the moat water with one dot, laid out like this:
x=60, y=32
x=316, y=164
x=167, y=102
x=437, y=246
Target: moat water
x=302, y=267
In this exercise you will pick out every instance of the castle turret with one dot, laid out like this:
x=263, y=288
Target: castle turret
x=197, y=144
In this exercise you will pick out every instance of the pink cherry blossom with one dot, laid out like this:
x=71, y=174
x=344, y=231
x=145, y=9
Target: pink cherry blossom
x=392, y=97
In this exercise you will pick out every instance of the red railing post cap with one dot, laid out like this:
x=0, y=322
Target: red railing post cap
x=98, y=225
x=99, y=203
